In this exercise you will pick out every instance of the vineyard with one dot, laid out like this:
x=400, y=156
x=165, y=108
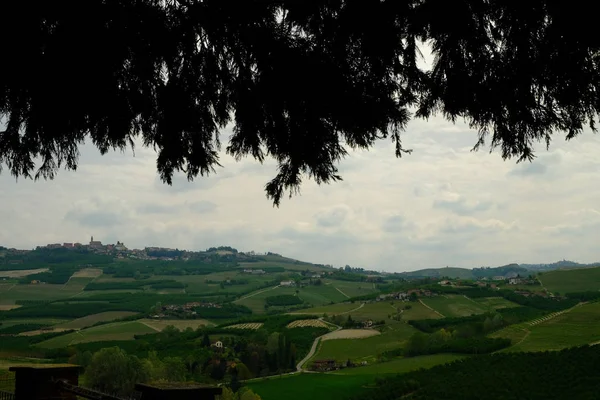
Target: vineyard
x=250, y=325
x=307, y=323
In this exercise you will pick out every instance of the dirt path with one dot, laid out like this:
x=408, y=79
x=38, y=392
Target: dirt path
x=342, y=293
x=470, y=299
x=77, y=294
x=260, y=291
x=437, y=312
x=313, y=349
x=150, y=326
x=354, y=309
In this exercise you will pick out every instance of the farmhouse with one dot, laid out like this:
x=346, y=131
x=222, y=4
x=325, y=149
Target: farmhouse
x=287, y=283
x=445, y=283
x=218, y=344
x=324, y=365
x=515, y=281
x=498, y=278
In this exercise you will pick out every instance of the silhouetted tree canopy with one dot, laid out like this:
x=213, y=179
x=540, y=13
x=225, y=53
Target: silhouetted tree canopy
x=301, y=80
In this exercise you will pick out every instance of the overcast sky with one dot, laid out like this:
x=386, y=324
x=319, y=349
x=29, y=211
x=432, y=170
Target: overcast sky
x=442, y=205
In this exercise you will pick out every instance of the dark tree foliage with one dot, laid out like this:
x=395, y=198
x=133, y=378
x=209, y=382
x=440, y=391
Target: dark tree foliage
x=301, y=81
x=565, y=374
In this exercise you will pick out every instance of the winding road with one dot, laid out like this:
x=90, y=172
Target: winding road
x=313, y=349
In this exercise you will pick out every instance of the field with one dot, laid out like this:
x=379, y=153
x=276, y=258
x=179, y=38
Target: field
x=393, y=337
x=302, y=323
x=315, y=295
x=332, y=309
x=7, y=307
x=351, y=334
x=277, y=262
x=383, y=309
x=572, y=280
x=77, y=284
x=45, y=321
x=454, y=305
x=181, y=324
x=311, y=386
x=579, y=326
x=10, y=293
x=495, y=303
x=90, y=320
x=402, y=365
x=21, y=273
x=113, y=331
x=351, y=289
x=88, y=273
x=251, y=325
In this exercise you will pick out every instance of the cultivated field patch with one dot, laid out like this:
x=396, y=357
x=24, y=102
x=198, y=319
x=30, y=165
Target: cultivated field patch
x=454, y=305
x=6, y=307
x=21, y=273
x=332, y=309
x=351, y=334
x=40, y=331
x=495, y=303
x=90, y=320
x=249, y=325
x=87, y=273
x=113, y=331
x=307, y=323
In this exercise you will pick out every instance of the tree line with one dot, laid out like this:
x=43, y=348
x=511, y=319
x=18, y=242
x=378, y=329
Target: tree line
x=565, y=374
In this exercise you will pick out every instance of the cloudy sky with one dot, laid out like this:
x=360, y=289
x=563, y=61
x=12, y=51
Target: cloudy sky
x=442, y=205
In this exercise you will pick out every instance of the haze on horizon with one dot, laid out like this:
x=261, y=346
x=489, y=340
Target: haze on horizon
x=441, y=206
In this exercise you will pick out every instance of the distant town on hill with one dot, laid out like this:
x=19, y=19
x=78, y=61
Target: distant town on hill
x=228, y=253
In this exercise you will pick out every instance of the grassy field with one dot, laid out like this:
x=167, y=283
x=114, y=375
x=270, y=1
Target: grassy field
x=21, y=272
x=393, y=336
x=180, y=324
x=315, y=295
x=277, y=262
x=311, y=386
x=454, y=305
x=340, y=384
x=495, y=303
x=197, y=283
x=382, y=309
x=114, y=331
x=515, y=333
x=402, y=365
x=10, y=293
x=572, y=280
x=331, y=309
x=45, y=321
x=351, y=289
x=579, y=326
x=90, y=320
x=76, y=284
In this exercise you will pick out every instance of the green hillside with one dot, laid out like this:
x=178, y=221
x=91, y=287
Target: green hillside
x=449, y=272
x=572, y=280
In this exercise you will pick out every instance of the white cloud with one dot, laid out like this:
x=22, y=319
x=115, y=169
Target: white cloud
x=442, y=205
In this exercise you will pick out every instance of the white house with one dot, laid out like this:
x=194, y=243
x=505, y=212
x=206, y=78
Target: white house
x=287, y=283
x=218, y=344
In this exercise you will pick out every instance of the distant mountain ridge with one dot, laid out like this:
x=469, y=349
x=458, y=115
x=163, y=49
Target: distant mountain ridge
x=506, y=271
x=564, y=264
